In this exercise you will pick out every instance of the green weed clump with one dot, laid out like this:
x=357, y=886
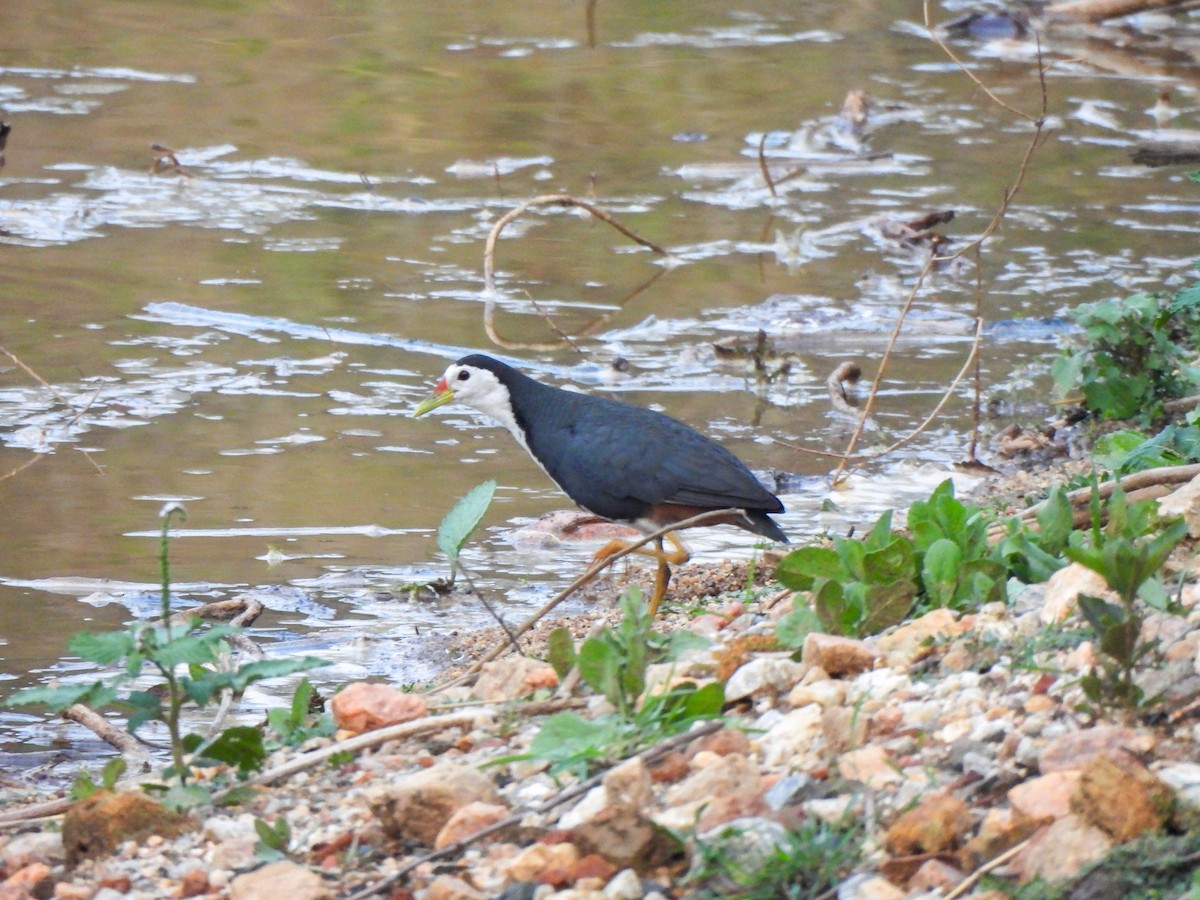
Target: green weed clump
x=193, y=666
x=1134, y=355
x=860, y=587
x=807, y=864
x=614, y=664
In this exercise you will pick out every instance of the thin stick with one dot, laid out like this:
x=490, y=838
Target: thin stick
x=591, y=572
x=969, y=882
x=23, y=466
x=762, y=165
x=489, y=264
x=135, y=755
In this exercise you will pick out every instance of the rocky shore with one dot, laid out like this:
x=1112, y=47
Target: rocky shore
x=946, y=757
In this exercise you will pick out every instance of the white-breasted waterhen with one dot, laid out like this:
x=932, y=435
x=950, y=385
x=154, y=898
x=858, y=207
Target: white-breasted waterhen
x=616, y=461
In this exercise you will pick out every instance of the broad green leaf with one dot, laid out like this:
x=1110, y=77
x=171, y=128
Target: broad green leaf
x=458, y=524
x=880, y=534
x=680, y=642
x=940, y=571
x=895, y=559
x=1099, y=613
x=886, y=605
x=798, y=569
x=56, y=699
x=182, y=797
x=600, y=667
x=792, y=629
x=829, y=603
x=850, y=553
x=197, y=649
x=566, y=736
x=1056, y=520
x=706, y=702
x=262, y=669
x=240, y=746
x=146, y=706
x=560, y=651
x=105, y=647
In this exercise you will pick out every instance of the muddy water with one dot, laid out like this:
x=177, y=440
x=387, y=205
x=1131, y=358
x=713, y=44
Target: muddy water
x=248, y=336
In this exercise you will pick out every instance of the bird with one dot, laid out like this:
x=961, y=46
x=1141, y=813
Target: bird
x=620, y=462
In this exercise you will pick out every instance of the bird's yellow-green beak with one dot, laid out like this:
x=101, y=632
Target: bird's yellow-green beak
x=440, y=397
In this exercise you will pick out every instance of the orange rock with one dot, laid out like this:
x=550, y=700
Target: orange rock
x=97, y=826
x=468, y=820
x=870, y=765
x=365, y=706
x=193, y=884
x=1059, y=851
x=34, y=879
x=937, y=824
x=451, y=887
x=1000, y=830
x=592, y=866
x=1123, y=798
x=538, y=858
x=1074, y=749
x=723, y=742
x=837, y=655
x=513, y=677
x=1041, y=800
x=935, y=874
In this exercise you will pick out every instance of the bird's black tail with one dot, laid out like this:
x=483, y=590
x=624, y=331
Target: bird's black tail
x=760, y=523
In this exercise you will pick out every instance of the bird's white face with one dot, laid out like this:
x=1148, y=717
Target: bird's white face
x=478, y=389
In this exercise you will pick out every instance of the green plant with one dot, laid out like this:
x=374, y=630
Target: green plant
x=191, y=665
x=299, y=721
x=1127, y=553
x=858, y=587
x=1128, y=451
x=957, y=567
x=808, y=863
x=614, y=664
x=862, y=587
x=1135, y=354
x=460, y=522
x=85, y=787
x=273, y=840
x=1033, y=555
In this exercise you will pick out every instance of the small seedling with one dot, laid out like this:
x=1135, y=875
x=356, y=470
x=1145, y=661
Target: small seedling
x=273, y=840
x=1127, y=557
x=460, y=522
x=614, y=664
x=189, y=661
x=85, y=787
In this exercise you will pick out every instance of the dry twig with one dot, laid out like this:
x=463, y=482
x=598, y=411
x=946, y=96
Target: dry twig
x=489, y=268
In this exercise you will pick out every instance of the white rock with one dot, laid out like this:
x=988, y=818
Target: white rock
x=795, y=737
x=586, y=809
x=1184, y=779
x=879, y=684
x=765, y=673
x=625, y=885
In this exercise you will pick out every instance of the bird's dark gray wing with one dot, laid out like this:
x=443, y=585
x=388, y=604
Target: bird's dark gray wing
x=618, y=460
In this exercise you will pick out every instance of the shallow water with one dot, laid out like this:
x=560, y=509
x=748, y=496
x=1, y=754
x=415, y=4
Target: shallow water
x=249, y=336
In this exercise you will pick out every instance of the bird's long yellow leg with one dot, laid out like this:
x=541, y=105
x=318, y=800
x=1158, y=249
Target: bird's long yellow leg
x=665, y=559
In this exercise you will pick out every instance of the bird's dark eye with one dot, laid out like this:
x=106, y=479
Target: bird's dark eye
x=464, y=375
